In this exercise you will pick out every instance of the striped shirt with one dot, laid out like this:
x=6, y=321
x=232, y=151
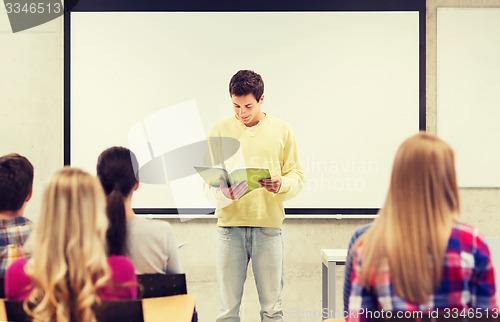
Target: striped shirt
x=13, y=234
x=467, y=281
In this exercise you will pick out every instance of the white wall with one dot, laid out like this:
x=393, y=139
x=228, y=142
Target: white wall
x=31, y=98
x=31, y=123
x=468, y=107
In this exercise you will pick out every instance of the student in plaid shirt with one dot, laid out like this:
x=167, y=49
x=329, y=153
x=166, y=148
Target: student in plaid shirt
x=16, y=182
x=348, y=266
x=417, y=256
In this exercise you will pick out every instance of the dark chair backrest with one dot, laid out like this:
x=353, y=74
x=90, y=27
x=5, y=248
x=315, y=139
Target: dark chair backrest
x=158, y=285
x=15, y=311
x=2, y=287
x=108, y=311
x=122, y=310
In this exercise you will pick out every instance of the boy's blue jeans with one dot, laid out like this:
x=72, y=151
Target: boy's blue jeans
x=235, y=247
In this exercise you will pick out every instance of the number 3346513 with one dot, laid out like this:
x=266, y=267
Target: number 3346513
x=33, y=8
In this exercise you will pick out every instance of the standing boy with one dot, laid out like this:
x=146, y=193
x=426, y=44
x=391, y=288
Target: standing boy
x=249, y=226
x=16, y=182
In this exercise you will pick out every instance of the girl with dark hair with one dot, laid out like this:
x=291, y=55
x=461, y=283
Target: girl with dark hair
x=150, y=244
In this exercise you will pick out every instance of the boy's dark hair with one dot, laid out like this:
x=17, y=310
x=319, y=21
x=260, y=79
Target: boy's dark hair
x=16, y=181
x=117, y=171
x=246, y=82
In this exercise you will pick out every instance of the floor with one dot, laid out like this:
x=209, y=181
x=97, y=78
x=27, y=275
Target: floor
x=301, y=300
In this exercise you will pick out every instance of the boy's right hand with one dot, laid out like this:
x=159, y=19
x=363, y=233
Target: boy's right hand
x=236, y=191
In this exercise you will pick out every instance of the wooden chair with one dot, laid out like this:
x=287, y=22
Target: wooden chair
x=177, y=308
x=159, y=285
x=174, y=308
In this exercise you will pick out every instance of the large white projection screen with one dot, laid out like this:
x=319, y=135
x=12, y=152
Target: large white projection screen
x=347, y=82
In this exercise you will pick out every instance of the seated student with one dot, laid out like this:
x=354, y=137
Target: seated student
x=348, y=265
x=149, y=243
x=69, y=272
x=417, y=256
x=16, y=182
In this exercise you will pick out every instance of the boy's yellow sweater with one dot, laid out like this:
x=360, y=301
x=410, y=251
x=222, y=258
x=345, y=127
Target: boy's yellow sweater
x=269, y=144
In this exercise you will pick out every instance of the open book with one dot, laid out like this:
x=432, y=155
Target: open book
x=211, y=175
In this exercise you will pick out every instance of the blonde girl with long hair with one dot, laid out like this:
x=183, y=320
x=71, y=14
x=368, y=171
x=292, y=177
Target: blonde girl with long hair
x=69, y=273
x=417, y=256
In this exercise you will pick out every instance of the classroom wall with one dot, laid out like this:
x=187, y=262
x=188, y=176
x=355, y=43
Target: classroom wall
x=31, y=123
x=31, y=97
x=480, y=207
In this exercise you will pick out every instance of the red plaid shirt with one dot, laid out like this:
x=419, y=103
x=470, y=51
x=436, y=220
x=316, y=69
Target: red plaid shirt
x=468, y=281
x=13, y=234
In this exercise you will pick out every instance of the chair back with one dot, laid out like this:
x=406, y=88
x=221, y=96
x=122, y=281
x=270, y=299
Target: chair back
x=15, y=311
x=2, y=287
x=108, y=311
x=159, y=285
x=121, y=310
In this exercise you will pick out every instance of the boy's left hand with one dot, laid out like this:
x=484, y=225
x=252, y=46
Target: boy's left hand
x=272, y=185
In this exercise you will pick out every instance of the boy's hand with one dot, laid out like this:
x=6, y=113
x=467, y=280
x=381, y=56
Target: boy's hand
x=272, y=185
x=236, y=191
